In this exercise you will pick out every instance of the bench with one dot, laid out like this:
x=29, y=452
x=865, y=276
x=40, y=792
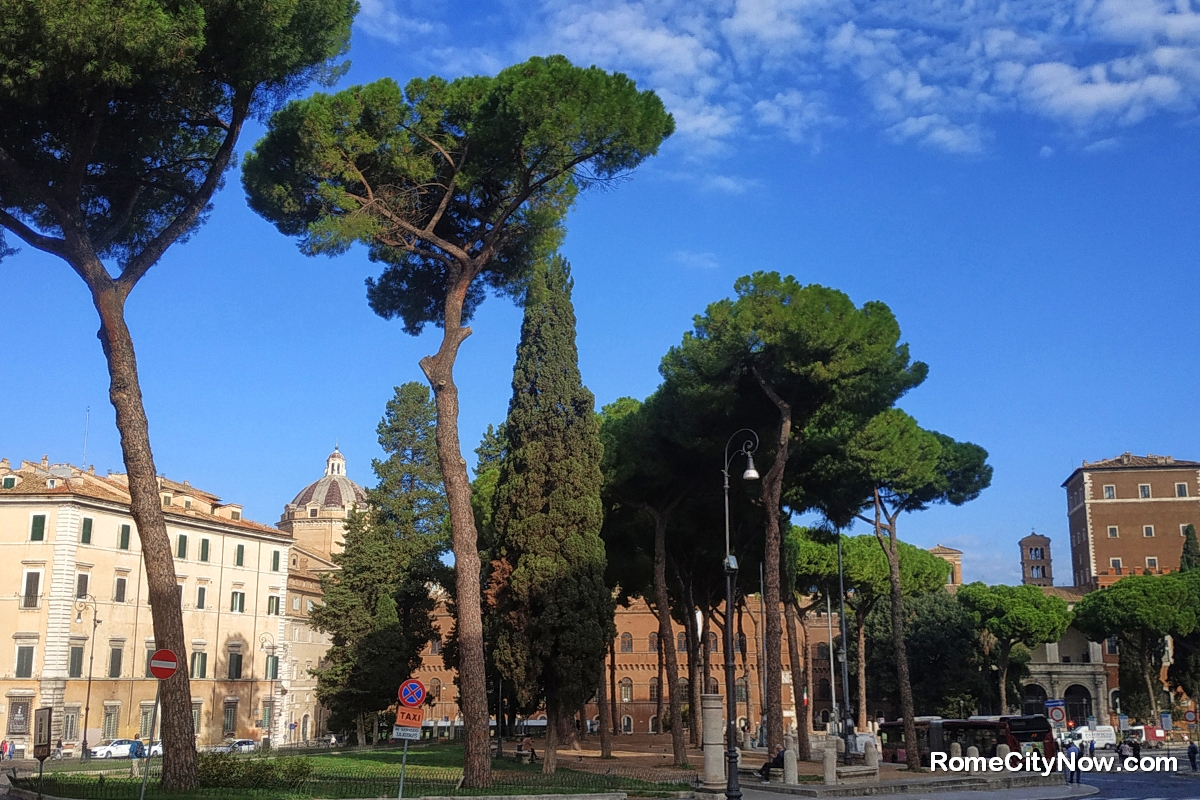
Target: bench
x=857, y=774
x=524, y=756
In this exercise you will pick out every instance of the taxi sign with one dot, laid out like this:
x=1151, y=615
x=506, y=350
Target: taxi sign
x=409, y=717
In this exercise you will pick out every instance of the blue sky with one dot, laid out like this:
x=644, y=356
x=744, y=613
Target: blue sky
x=1016, y=180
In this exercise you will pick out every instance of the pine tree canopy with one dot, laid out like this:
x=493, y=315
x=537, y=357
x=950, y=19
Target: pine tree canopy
x=548, y=511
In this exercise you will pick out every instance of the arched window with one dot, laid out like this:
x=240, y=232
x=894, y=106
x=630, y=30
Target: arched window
x=742, y=691
x=823, y=690
x=1034, y=699
x=822, y=651
x=712, y=642
x=654, y=690
x=684, y=687
x=435, y=689
x=654, y=724
x=741, y=643
x=713, y=687
x=825, y=716
x=653, y=642
x=626, y=724
x=681, y=642
x=626, y=642
x=435, y=646
x=626, y=690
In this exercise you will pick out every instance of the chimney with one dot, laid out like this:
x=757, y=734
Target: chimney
x=45, y=462
x=92, y=469
x=4, y=464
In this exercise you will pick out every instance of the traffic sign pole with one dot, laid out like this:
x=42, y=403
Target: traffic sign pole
x=403, y=765
x=163, y=664
x=411, y=695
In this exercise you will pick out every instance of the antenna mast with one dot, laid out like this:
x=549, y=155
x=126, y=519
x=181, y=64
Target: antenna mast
x=87, y=418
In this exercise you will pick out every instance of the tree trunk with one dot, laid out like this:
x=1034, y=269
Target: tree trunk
x=799, y=680
x=693, y=656
x=605, y=723
x=361, y=728
x=808, y=690
x=145, y=505
x=666, y=640
x=658, y=701
x=612, y=687
x=1149, y=673
x=772, y=492
x=550, y=756
x=897, y=600
x=472, y=671
x=860, y=624
x=1002, y=670
x=705, y=652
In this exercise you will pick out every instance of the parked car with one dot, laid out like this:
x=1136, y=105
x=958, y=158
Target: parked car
x=236, y=746
x=156, y=750
x=117, y=748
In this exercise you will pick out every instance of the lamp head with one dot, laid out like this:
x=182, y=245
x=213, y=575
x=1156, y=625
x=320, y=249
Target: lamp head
x=79, y=615
x=751, y=474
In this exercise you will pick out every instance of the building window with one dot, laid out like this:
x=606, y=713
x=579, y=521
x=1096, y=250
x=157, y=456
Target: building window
x=201, y=597
x=311, y=605
x=239, y=558
x=275, y=561
x=268, y=713
x=235, y=666
x=85, y=535
x=114, y=662
x=204, y=549
x=1112, y=645
x=740, y=643
x=123, y=540
x=295, y=604
x=1115, y=563
x=626, y=688
x=712, y=642
x=33, y=585
x=822, y=651
x=652, y=641
x=1148, y=531
x=312, y=512
x=10, y=482
x=199, y=665
x=741, y=691
x=237, y=602
x=1110, y=492
x=181, y=547
x=654, y=690
x=272, y=673
x=196, y=716
x=187, y=503
x=149, y=655
x=1181, y=490
x=81, y=584
x=18, y=717
x=70, y=725
x=229, y=724
x=435, y=689
x=1037, y=554
x=681, y=642
x=75, y=662
x=146, y=721
x=119, y=590
x=626, y=642
x=1151, y=562
x=235, y=515
x=1144, y=491
x=626, y=724
x=112, y=715
x=24, y=661
x=37, y=528
x=1113, y=532
x=272, y=605
x=166, y=500
x=1037, y=571
x=435, y=646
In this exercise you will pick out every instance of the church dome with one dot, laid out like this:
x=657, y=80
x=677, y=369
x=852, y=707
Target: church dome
x=334, y=489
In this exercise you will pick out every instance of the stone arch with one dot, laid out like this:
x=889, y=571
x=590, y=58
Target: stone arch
x=1079, y=704
x=1033, y=699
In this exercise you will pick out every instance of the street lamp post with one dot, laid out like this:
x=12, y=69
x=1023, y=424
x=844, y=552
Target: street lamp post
x=266, y=643
x=81, y=604
x=749, y=445
x=847, y=727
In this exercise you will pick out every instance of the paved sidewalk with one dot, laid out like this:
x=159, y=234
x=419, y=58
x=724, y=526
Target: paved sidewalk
x=1060, y=792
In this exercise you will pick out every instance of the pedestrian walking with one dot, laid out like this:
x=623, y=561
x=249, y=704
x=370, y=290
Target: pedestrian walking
x=1092, y=747
x=1137, y=749
x=1071, y=767
x=3, y=749
x=1193, y=751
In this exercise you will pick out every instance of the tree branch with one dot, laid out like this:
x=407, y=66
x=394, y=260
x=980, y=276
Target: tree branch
x=46, y=244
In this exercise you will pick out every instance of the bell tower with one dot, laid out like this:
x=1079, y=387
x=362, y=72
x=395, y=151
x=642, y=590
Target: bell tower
x=1035, y=560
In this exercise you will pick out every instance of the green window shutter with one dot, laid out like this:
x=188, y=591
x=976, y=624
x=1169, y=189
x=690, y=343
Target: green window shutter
x=181, y=547
x=149, y=655
x=124, y=541
x=24, y=662
x=114, y=662
x=75, y=668
x=10, y=483
x=204, y=549
x=37, y=530
x=275, y=561
x=241, y=555
x=85, y=536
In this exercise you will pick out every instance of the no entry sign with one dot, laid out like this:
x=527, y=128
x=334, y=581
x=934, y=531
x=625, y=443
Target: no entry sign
x=163, y=664
x=412, y=693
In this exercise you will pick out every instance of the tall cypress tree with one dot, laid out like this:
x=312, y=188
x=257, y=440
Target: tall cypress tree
x=549, y=559
x=1190, y=557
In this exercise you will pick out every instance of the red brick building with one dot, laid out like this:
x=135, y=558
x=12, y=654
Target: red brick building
x=1126, y=515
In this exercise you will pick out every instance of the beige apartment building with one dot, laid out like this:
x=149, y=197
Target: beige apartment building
x=74, y=607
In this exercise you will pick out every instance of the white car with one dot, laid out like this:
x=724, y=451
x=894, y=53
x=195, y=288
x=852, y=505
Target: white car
x=237, y=746
x=117, y=748
x=156, y=750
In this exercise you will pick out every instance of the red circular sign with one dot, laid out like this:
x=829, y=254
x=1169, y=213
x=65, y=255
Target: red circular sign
x=163, y=664
x=412, y=693
x=1058, y=714
x=1189, y=716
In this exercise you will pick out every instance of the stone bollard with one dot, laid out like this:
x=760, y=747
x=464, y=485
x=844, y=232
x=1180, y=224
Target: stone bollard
x=790, y=770
x=972, y=752
x=830, y=766
x=871, y=755
x=714, y=742
x=955, y=750
x=840, y=745
x=1002, y=750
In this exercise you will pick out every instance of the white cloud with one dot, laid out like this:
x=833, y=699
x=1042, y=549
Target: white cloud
x=936, y=73
x=1103, y=145
x=693, y=260
x=1046, y=152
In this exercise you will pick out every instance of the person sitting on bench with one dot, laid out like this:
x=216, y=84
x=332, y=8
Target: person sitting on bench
x=527, y=747
x=773, y=763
